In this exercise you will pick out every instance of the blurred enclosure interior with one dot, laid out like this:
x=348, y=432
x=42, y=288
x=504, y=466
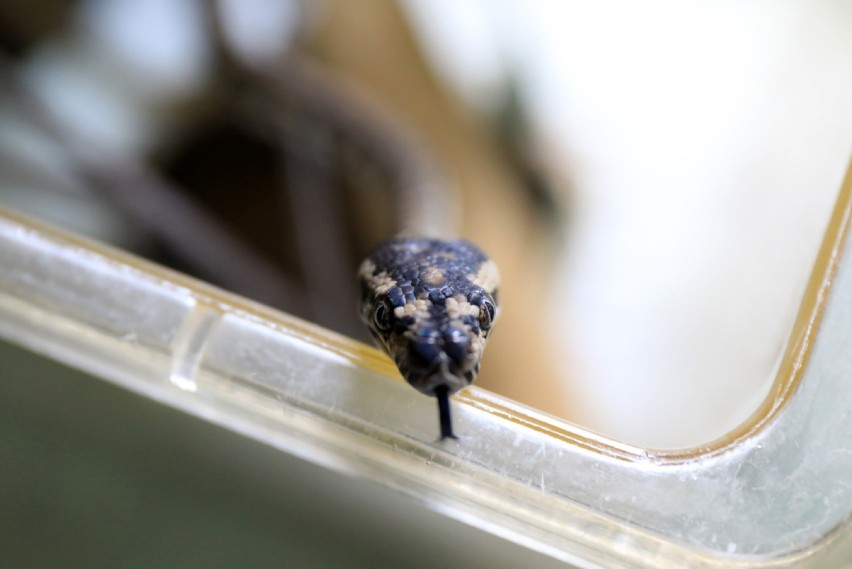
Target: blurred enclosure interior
x=653, y=181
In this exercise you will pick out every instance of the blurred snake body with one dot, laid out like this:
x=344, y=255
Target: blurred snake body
x=431, y=304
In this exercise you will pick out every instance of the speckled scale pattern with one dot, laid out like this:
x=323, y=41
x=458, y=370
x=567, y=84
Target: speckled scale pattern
x=439, y=300
x=407, y=260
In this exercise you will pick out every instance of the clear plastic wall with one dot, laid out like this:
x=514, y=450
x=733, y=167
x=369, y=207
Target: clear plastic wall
x=776, y=492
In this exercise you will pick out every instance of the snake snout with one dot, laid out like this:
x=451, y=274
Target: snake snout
x=425, y=350
x=429, y=349
x=456, y=345
x=438, y=360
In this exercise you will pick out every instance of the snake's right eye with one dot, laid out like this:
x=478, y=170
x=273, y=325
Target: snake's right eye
x=382, y=317
x=487, y=314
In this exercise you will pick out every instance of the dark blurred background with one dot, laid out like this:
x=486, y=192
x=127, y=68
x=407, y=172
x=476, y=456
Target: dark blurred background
x=262, y=147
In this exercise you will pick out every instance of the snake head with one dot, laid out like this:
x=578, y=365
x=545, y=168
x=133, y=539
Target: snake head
x=431, y=305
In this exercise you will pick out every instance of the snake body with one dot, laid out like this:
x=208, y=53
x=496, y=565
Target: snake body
x=430, y=304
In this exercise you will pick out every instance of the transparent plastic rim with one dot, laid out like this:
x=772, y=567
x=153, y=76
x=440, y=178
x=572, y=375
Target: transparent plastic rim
x=750, y=498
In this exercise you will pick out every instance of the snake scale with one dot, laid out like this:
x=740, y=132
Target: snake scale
x=431, y=304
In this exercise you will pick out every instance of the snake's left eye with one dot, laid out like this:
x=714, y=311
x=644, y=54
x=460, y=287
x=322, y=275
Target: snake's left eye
x=487, y=313
x=382, y=317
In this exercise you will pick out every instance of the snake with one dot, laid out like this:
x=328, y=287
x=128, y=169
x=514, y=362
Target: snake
x=431, y=305
x=430, y=302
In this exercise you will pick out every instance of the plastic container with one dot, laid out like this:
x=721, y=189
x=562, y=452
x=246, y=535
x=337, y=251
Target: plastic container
x=776, y=492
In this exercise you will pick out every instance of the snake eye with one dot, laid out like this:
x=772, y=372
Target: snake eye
x=487, y=313
x=382, y=317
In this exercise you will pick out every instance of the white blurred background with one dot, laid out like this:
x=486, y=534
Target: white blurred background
x=705, y=144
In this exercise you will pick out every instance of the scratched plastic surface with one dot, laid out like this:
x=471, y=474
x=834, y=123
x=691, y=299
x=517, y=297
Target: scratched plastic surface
x=774, y=493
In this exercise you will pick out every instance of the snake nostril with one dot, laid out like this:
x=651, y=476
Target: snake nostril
x=425, y=350
x=456, y=344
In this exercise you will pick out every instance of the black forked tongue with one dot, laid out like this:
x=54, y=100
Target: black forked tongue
x=443, y=396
